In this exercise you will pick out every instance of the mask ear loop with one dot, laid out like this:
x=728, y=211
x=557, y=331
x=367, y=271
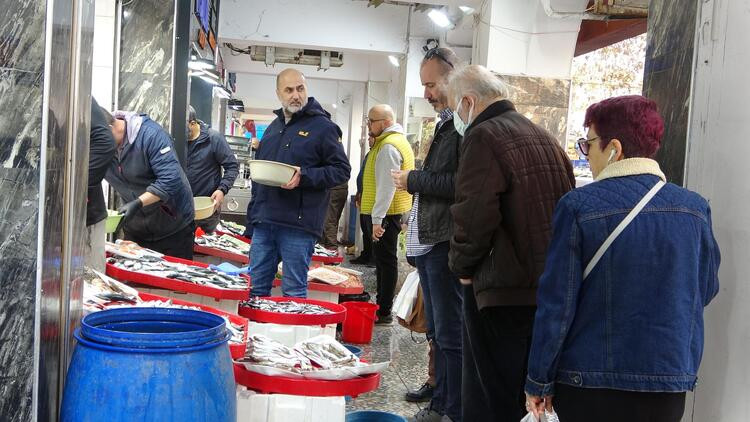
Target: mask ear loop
x=611, y=156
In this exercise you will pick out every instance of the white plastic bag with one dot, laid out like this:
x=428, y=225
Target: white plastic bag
x=546, y=417
x=404, y=302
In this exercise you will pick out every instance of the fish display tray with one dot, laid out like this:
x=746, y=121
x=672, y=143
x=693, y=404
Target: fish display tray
x=236, y=350
x=257, y=315
x=338, y=259
x=243, y=259
x=266, y=384
x=178, y=285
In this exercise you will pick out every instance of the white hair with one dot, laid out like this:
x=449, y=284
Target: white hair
x=477, y=81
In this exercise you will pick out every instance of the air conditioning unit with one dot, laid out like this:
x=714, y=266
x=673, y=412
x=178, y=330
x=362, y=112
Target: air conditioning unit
x=324, y=59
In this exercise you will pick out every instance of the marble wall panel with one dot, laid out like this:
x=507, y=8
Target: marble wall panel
x=147, y=32
x=22, y=29
x=544, y=101
x=667, y=77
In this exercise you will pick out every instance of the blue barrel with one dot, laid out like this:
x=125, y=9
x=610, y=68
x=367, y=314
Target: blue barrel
x=373, y=416
x=150, y=364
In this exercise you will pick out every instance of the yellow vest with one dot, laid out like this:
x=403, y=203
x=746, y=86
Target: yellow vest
x=401, y=202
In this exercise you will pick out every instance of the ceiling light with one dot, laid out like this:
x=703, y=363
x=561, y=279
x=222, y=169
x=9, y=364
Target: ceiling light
x=394, y=60
x=439, y=18
x=466, y=9
x=334, y=105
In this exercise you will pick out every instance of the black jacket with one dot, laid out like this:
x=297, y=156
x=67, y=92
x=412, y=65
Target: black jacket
x=435, y=184
x=101, y=154
x=207, y=155
x=311, y=141
x=511, y=175
x=150, y=164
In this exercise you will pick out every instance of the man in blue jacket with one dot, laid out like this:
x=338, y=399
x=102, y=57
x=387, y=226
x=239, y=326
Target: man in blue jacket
x=158, y=211
x=288, y=220
x=208, y=153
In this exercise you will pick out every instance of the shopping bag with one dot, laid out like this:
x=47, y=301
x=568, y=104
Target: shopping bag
x=404, y=302
x=417, y=319
x=546, y=417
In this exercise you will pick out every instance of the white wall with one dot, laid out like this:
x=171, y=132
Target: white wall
x=717, y=169
x=104, y=46
x=319, y=24
x=518, y=38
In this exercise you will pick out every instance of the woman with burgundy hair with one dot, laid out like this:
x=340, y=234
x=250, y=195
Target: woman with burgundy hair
x=618, y=334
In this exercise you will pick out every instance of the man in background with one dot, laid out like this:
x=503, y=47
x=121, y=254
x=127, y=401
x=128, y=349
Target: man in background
x=208, y=154
x=381, y=202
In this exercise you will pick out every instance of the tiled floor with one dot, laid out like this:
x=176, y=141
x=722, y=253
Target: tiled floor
x=407, y=353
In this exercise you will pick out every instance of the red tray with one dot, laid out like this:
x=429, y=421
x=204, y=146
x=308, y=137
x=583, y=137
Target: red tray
x=265, y=384
x=236, y=350
x=236, y=236
x=177, y=285
x=244, y=259
x=296, y=319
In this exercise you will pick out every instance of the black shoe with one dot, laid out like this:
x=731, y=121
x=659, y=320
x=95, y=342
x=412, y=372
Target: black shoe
x=384, y=320
x=424, y=394
x=363, y=260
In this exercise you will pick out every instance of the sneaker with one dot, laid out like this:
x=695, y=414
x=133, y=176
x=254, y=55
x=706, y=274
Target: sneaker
x=384, y=320
x=424, y=394
x=426, y=415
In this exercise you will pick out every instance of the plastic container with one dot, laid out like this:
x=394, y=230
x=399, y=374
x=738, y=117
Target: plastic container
x=338, y=313
x=354, y=349
x=359, y=322
x=204, y=207
x=267, y=384
x=113, y=220
x=136, y=364
x=373, y=416
x=255, y=407
x=271, y=173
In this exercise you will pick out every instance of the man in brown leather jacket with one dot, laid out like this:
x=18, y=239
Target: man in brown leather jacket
x=510, y=176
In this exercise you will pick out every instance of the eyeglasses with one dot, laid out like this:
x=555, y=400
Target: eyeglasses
x=584, y=145
x=370, y=121
x=435, y=52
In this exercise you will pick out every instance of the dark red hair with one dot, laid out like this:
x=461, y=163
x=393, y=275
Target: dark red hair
x=633, y=119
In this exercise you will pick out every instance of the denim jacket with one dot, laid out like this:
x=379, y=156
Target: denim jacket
x=636, y=323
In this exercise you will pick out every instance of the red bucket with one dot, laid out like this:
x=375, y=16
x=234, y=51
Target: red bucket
x=360, y=319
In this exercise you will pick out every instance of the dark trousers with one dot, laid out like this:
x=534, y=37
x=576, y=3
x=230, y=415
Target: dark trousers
x=365, y=223
x=442, y=295
x=594, y=405
x=333, y=215
x=178, y=245
x=386, y=262
x=495, y=354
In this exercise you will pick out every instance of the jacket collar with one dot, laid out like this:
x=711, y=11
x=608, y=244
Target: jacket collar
x=493, y=110
x=631, y=167
x=394, y=128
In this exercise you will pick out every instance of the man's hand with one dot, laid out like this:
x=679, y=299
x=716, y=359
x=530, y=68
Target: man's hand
x=465, y=281
x=218, y=197
x=537, y=405
x=400, y=178
x=294, y=182
x=128, y=210
x=358, y=200
x=377, y=232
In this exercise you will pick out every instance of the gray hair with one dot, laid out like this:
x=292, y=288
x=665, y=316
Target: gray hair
x=477, y=81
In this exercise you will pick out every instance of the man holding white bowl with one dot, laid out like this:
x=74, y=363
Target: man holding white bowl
x=287, y=220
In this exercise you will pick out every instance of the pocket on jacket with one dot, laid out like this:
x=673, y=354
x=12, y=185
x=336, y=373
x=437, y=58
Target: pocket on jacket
x=501, y=268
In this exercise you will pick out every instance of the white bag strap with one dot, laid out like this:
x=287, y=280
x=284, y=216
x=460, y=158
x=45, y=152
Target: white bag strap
x=620, y=227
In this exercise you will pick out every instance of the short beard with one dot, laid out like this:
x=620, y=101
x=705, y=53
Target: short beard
x=293, y=109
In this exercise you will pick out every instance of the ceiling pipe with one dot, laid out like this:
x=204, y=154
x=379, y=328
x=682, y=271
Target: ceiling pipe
x=547, y=4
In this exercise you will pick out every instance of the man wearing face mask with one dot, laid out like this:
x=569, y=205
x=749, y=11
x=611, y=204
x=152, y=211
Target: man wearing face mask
x=208, y=154
x=384, y=205
x=288, y=220
x=511, y=175
x=428, y=241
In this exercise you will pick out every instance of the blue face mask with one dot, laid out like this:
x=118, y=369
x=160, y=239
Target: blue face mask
x=458, y=123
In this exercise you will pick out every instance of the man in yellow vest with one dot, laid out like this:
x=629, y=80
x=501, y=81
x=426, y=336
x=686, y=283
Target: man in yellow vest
x=382, y=203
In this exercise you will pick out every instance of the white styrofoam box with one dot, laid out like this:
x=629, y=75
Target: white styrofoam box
x=225, y=305
x=254, y=407
x=312, y=294
x=289, y=335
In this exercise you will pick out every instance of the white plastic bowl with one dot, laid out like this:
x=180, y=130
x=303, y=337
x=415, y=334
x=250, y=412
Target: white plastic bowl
x=204, y=207
x=271, y=173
